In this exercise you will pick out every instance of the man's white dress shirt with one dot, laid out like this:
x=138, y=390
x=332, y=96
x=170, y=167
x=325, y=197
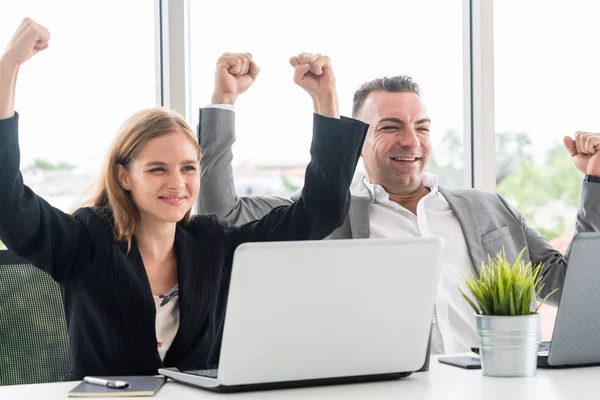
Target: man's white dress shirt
x=454, y=320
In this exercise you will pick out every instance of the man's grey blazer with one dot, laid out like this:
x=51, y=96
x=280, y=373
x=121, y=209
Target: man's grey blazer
x=488, y=222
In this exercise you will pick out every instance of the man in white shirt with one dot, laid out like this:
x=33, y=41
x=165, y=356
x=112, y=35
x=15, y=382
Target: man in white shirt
x=397, y=199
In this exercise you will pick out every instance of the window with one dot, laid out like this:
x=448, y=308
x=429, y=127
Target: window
x=546, y=87
x=72, y=98
x=274, y=118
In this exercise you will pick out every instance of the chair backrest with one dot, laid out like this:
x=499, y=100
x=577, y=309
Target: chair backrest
x=34, y=343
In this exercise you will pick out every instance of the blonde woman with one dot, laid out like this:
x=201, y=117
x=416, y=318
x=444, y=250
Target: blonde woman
x=145, y=285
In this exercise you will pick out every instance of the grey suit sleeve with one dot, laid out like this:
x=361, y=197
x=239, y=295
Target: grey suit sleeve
x=540, y=250
x=588, y=212
x=216, y=134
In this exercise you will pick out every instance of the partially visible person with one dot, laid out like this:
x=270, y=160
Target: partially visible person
x=397, y=199
x=132, y=250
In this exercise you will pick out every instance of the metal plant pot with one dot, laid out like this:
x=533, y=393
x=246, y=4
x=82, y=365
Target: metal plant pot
x=508, y=345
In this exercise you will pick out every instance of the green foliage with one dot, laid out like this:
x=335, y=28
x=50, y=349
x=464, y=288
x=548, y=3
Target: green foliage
x=502, y=289
x=45, y=165
x=533, y=187
x=446, y=160
x=545, y=189
x=288, y=187
x=515, y=144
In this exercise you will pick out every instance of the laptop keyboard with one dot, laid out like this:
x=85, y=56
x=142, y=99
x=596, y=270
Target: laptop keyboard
x=209, y=373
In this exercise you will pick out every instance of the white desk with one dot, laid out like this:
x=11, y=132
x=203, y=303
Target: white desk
x=441, y=382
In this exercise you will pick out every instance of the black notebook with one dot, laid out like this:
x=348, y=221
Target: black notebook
x=139, y=386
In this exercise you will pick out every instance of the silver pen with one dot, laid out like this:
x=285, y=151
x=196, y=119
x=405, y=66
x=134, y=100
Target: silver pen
x=106, y=382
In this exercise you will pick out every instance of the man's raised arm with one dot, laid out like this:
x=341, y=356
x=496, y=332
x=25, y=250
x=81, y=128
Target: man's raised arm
x=235, y=73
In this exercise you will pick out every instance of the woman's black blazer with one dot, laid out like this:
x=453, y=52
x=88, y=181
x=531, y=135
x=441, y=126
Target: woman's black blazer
x=107, y=297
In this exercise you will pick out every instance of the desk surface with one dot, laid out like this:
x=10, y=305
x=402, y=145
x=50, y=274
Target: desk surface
x=441, y=382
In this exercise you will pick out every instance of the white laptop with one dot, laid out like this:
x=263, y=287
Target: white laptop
x=324, y=312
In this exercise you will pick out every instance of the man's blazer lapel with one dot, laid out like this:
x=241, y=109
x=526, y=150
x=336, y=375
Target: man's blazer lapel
x=358, y=215
x=467, y=214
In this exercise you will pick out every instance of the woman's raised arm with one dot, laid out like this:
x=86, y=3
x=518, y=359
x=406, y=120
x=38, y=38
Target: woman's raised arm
x=52, y=240
x=29, y=39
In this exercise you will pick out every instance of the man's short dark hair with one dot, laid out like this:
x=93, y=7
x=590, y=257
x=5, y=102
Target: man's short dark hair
x=393, y=84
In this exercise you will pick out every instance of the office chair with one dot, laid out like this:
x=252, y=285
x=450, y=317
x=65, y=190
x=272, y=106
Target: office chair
x=33, y=331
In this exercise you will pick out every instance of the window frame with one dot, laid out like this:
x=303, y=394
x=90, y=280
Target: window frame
x=174, y=80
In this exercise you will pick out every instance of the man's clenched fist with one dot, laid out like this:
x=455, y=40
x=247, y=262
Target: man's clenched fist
x=235, y=73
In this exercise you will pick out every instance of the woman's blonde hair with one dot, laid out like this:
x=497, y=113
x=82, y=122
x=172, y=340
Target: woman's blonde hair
x=107, y=197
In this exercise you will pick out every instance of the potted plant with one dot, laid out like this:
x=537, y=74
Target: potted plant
x=507, y=328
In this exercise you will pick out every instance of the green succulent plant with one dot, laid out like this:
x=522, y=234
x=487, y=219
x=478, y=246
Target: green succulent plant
x=505, y=289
